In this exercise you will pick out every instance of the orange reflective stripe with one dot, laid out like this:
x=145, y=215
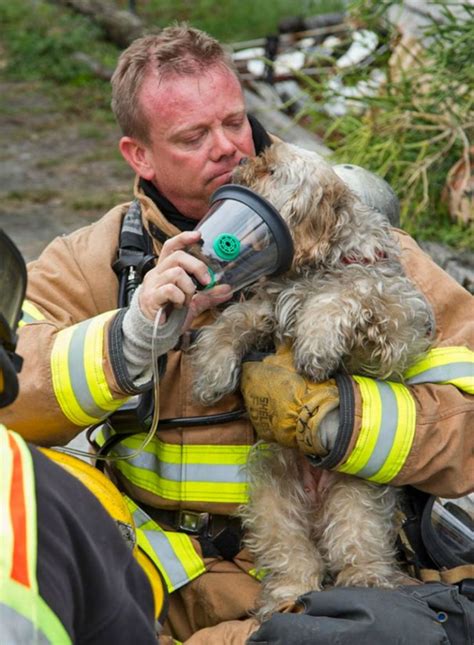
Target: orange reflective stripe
x=19, y=571
x=24, y=614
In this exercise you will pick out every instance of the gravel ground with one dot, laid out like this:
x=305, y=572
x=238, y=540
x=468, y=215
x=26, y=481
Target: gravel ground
x=56, y=174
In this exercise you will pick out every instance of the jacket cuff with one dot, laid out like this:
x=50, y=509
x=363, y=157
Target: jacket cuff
x=346, y=424
x=117, y=358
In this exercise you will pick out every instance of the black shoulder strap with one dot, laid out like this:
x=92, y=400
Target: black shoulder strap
x=134, y=257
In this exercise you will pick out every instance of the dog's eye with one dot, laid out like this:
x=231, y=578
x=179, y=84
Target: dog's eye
x=271, y=171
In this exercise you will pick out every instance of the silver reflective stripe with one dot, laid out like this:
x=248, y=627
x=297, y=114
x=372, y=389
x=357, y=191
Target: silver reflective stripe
x=77, y=373
x=163, y=549
x=212, y=473
x=30, y=314
x=448, y=372
x=387, y=432
x=26, y=319
x=16, y=629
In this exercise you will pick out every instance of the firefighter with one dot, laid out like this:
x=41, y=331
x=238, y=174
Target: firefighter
x=66, y=574
x=88, y=330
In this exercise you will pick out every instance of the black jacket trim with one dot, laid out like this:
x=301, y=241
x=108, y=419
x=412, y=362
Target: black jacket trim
x=117, y=359
x=346, y=424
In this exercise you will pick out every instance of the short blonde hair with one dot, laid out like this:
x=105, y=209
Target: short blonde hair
x=177, y=50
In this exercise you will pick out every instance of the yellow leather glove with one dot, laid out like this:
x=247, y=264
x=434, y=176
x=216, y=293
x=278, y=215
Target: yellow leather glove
x=283, y=406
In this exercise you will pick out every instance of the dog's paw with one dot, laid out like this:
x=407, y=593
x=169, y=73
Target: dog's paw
x=368, y=576
x=280, y=594
x=266, y=609
x=312, y=367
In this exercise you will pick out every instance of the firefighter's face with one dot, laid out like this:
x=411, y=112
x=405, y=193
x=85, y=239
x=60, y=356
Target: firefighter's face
x=199, y=132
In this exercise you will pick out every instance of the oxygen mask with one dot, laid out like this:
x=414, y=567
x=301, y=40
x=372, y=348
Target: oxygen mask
x=243, y=239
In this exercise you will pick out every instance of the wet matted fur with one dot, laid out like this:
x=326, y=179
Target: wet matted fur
x=345, y=304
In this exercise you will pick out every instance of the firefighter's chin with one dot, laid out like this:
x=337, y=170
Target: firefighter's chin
x=221, y=179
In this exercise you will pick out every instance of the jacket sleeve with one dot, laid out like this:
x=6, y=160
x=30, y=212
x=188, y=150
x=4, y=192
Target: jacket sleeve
x=73, y=372
x=419, y=432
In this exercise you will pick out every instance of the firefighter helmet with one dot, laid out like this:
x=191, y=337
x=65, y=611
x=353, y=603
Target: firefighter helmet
x=371, y=189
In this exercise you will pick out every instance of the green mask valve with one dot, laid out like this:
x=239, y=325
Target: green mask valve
x=213, y=279
x=243, y=238
x=226, y=246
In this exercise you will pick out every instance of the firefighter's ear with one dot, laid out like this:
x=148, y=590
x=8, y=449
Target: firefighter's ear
x=137, y=155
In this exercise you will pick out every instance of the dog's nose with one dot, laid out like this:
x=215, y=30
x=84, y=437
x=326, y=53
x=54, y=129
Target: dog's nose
x=243, y=161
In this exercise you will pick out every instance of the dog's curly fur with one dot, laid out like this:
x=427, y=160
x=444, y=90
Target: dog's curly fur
x=345, y=304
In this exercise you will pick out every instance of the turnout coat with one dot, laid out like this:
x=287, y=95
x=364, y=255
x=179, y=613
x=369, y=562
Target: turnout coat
x=74, y=375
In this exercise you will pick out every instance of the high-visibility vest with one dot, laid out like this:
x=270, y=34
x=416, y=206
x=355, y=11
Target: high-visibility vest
x=24, y=615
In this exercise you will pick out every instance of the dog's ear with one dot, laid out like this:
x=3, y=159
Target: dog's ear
x=328, y=211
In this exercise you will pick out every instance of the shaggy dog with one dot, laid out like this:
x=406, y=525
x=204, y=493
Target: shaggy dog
x=345, y=304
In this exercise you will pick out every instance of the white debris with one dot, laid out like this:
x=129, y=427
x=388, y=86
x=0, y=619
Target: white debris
x=283, y=64
x=330, y=43
x=348, y=98
x=364, y=43
x=251, y=52
x=289, y=61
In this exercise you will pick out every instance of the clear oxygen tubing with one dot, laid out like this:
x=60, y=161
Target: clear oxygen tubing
x=165, y=337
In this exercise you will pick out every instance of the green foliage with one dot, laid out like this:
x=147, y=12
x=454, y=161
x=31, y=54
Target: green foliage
x=417, y=126
x=41, y=40
x=232, y=20
x=411, y=133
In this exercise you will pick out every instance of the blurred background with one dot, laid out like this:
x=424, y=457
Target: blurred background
x=385, y=85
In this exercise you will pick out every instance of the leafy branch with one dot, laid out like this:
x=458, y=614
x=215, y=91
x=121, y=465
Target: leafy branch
x=419, y=123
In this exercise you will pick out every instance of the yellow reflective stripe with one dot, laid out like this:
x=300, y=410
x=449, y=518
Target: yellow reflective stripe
x=203, y=454
x=466, y=383
x=145, y=545
x=211, y=473
x=35, y=618
x=172, y=552
x=30, y=499
x=62, y=383
x=454, y=365
x=30, y=313
x=6, y=530
x=387, y=431
x=232, y=455
x=258, y=574
x=78, y=376
x=93, y=362
x=404, y=436
x=183, y=491
x=45, y=626
x=370, y=426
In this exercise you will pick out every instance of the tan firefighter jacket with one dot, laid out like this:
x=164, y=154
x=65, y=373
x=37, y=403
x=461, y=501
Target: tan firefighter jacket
x=74, y=375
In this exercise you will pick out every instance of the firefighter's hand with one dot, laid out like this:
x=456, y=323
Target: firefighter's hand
x=173, y=281
x=286, y=408
x=170, y=281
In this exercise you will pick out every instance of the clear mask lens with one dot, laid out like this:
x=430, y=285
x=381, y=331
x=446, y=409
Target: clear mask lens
x=243, y=238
